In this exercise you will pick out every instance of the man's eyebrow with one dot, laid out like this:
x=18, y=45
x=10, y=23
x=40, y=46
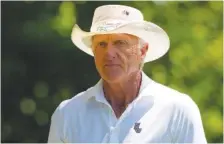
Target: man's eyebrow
x=120, y=40
x=93, y=38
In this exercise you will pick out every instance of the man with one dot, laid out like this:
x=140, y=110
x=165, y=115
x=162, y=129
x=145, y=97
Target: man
x=125, y=106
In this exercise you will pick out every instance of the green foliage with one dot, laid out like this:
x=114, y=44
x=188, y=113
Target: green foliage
x=41, y=67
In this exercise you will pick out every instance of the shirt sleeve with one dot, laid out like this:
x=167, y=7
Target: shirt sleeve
x=187, y=123
x=56, y=128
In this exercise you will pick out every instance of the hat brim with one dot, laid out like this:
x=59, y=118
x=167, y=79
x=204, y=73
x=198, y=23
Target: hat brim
x=155, y=36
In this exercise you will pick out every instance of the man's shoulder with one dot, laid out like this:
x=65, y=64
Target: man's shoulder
x=164, y=90
x=76, y=102
x=177, y=99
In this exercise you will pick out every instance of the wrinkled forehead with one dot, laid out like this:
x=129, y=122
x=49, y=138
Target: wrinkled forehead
x=107, y=37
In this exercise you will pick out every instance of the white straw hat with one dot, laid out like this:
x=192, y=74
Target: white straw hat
x=110, y=19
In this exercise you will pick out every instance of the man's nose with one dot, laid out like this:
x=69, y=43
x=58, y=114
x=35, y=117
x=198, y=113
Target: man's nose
x=111, y=51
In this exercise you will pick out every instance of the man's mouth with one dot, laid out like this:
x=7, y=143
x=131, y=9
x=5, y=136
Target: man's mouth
x=111, y=65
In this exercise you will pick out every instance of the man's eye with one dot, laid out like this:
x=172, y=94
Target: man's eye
x=102, y=44
x=120, y=43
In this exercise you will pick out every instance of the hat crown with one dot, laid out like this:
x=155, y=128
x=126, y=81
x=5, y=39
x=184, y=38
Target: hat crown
x=118, y=12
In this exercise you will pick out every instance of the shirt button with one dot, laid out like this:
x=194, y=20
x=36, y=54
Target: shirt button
x=112, y=128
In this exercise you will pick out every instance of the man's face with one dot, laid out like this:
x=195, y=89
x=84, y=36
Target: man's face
x=117, y=55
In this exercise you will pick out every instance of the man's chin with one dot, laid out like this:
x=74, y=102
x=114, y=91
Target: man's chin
x=112, y=78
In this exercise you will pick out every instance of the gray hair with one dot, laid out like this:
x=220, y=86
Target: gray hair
x=141, y=44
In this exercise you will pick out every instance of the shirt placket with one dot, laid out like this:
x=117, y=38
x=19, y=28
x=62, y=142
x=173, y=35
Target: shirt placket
x=114, y=130
x=113, y=135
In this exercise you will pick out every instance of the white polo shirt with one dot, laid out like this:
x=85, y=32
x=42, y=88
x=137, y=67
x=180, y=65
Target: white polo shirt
x=158, y=115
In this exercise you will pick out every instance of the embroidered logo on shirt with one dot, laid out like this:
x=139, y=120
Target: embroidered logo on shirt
x=137, y=128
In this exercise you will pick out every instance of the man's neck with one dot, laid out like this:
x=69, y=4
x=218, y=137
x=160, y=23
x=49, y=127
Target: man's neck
x=122, y=93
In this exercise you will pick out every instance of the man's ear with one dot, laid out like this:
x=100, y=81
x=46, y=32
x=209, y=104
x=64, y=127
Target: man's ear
x=144, y=50
x=92, y=46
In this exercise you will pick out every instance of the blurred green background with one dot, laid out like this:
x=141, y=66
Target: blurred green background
x=41, y=67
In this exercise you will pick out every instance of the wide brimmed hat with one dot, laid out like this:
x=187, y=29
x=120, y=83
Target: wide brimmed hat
x=113, y=19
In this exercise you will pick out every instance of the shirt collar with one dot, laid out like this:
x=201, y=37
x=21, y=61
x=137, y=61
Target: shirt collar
x=98, y=93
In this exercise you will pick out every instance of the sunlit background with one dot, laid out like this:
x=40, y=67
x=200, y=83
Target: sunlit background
x=41, y=67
